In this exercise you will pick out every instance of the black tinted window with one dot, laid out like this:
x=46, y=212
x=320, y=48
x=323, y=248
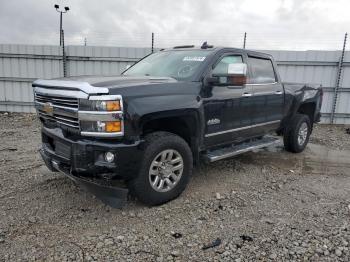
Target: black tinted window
x=261, y=71
x=222, y=67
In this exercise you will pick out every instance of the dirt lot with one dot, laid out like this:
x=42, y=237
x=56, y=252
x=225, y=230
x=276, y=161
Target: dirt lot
x=269, y=205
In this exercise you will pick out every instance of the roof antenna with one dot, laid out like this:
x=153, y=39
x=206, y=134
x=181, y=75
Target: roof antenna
x=205, y=45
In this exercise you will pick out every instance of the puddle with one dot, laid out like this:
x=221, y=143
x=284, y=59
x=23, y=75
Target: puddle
x=322, y=160
x=316, y=159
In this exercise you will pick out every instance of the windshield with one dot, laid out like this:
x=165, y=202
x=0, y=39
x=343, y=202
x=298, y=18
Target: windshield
x=177, y=64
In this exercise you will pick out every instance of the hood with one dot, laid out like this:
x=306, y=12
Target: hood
x=123, y=85
x=119, y=81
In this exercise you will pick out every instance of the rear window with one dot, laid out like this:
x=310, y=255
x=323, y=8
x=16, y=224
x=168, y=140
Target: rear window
x=261, y=71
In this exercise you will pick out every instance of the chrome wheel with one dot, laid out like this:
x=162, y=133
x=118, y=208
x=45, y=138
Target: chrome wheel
x=302, y=134
x=166, y=170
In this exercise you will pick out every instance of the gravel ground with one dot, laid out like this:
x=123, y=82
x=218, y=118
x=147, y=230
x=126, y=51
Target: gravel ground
x=331, y=136
x=266, y=206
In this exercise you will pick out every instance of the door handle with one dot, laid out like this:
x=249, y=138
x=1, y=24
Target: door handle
x=278, y=92
x=246, y=94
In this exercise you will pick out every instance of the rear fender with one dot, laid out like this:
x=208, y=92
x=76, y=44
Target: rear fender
x=306, y=101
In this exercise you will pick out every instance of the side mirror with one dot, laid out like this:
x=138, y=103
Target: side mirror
x=236, y=75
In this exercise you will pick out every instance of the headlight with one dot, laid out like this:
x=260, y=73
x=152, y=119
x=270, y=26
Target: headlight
x=101, y=103
x=108, y=105
x=101, y=126
x=101, y=116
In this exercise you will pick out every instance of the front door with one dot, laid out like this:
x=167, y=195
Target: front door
x=228, y=109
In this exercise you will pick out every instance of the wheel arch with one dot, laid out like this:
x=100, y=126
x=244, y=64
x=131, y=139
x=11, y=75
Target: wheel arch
x=307, y=108
x=184, y=123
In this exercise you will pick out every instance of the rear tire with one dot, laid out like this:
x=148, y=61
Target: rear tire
x=297, y=133
x=165, y=169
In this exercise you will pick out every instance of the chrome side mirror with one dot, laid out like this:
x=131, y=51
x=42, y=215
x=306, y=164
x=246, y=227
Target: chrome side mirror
x=236, y=75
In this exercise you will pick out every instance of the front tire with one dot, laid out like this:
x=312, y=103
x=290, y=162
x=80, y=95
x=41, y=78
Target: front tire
x=165, y=169
x=296, y=135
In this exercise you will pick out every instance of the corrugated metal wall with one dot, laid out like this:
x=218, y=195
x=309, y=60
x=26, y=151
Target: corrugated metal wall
x=319, y=67
x=101, y=60
x=21, y=64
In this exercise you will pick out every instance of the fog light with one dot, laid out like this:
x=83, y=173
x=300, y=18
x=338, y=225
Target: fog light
x=109, y=157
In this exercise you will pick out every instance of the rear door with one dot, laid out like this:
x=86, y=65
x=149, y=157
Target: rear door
x=267, y=96
x=227, y=108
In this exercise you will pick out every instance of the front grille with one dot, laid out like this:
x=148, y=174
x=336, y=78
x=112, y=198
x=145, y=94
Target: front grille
x=70, y=102
x=64, y=110
x=61, y=119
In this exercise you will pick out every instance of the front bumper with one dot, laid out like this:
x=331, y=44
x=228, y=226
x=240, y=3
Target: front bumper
x=86, y=156
x=110, y=195
x=81, y=161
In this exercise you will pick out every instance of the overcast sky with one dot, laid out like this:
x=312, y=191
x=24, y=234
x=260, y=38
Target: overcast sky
x=270, y=24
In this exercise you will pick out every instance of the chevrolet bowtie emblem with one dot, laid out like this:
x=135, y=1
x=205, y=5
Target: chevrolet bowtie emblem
x=48, y=108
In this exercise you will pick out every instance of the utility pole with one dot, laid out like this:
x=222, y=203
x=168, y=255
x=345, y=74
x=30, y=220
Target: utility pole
x=66, y=9
x=339, y=76
x=245, y=39
x=152, y=42
x=64, y=58
x=60, y=28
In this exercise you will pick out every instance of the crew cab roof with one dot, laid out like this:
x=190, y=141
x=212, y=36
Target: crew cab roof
x=219, y=48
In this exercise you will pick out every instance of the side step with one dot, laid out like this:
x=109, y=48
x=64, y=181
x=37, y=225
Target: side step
x=233, y=150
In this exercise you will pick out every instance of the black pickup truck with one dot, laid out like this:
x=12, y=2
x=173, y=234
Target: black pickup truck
x=166, y=113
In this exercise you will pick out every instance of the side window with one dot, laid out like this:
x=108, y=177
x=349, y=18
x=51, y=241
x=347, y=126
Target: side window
x=261, y=71
x=222, y=66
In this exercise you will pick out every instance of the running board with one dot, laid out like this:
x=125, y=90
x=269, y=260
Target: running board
x=233, y=150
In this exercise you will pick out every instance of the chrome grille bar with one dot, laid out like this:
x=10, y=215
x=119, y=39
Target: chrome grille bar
x=70, y=102
x=61, y=120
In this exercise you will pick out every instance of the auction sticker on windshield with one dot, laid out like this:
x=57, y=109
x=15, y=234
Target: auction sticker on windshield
x=194, y=58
